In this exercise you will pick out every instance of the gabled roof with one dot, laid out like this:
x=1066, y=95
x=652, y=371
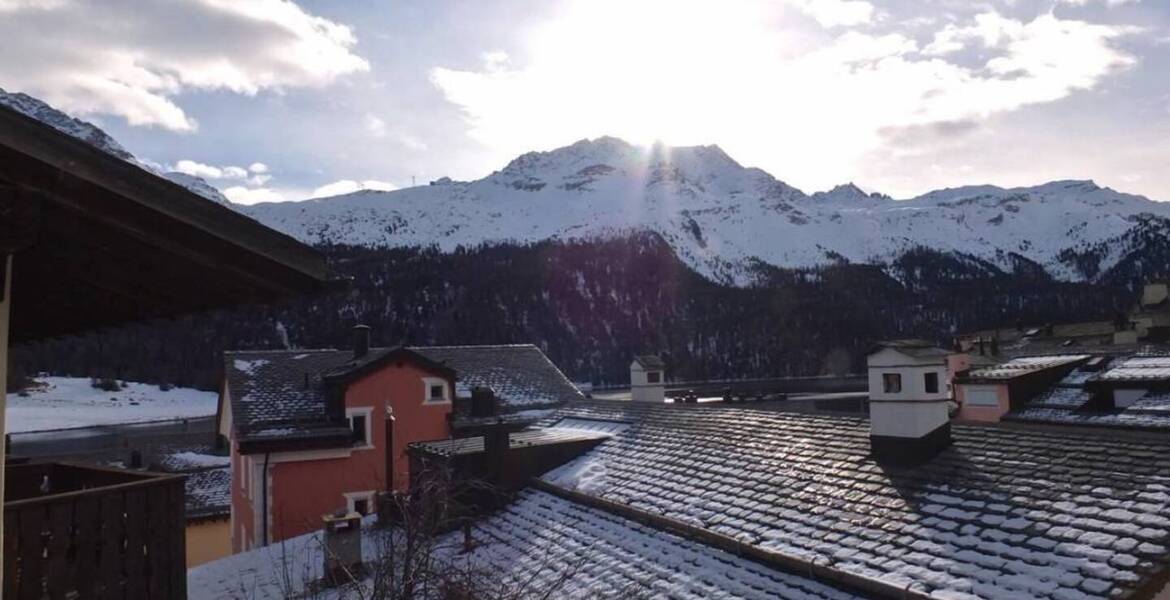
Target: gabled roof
x=650, y=361
x=278, y=394
x=521, y=376
x=1005, y=512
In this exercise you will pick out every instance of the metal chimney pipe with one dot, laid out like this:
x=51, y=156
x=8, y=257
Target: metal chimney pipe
x=361, y=340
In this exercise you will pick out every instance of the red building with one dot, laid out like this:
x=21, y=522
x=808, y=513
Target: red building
x=316, y=431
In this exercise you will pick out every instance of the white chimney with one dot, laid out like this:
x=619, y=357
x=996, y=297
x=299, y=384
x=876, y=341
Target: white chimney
x=648, y=379
x=909, y=401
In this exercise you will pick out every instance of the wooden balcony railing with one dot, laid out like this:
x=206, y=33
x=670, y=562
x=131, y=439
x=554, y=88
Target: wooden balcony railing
x=73, y=531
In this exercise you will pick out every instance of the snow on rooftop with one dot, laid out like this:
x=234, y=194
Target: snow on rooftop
x=68, y=402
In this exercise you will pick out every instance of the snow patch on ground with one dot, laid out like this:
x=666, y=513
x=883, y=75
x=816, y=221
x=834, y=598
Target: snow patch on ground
x=67, y=402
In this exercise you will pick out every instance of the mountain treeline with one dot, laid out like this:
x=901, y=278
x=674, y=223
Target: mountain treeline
x=592, y=305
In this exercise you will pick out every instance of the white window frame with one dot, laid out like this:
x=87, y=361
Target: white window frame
x=352, y=498
x=433, y=381
x=368, y=413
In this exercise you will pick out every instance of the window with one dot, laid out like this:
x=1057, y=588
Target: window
x=931, y=382
x=359, y=425
x=435, y=391
x=980, y=396
x=360, y=502
x=891, y=383
x=653, y=377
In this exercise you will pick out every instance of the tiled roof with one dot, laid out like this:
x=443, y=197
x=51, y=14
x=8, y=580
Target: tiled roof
x=544, y=538
x=540, y=544
x=1138, y=369
x=521, y=375
x=209, y=492
x=269, y=390
x=1025, y=365
x=1005, y=512
x=279, y=393
x=519, y=439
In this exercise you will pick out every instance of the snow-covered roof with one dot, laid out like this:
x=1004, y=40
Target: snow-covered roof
x=1005, y=512
x=550, y=544
x=277, y=393
x=1025, y=365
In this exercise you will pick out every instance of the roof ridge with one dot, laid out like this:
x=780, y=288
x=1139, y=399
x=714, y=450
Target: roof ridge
x=465, y=346
x=281, y=351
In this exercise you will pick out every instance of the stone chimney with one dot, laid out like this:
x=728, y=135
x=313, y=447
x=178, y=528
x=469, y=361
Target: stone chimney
x=496, y=440
x=909, y=401
x=648, y=379
x=361, y=341
x=342, y=547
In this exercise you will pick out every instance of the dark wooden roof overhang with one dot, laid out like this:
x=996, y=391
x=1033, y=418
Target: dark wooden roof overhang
x=98, y=241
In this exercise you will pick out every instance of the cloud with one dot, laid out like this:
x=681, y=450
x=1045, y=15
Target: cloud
x=244, y=195
x=1107, y=2
x=807, y=108
x=835, y=13
x=132, y=59
x=349, y=186
x=254, y=175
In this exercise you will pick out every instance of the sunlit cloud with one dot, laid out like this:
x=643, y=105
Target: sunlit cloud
x=349, y=186
x=245, y=195
x=808, y=109
x=132, y=59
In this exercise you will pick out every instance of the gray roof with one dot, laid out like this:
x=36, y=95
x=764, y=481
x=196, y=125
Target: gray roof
x=913, y=347
x=521, y=375
x=208, y=493
x=650, y=361
x=1069, y=402
x=1005, y=512
x=271, y=396
x=268, y=389
x=1025, y=365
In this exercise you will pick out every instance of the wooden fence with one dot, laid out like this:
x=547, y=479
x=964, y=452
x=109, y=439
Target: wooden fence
x=73, y=531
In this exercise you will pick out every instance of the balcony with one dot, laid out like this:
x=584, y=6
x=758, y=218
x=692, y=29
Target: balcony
x=74, y=531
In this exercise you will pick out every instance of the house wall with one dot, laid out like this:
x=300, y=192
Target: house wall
x=307, y=485
x=981, y=412
x=641, y=390
x=208, y=540
x=913, y=373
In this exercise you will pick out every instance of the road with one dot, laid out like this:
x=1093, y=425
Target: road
x=100, y=440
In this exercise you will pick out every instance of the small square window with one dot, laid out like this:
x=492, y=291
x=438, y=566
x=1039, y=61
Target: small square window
x=653, y=377
x=362, y=507
x=931, y=382
x=891, y=383
x=437, y=391
x=357, y=423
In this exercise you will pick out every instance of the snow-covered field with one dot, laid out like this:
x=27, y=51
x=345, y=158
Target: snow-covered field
x=66, y=402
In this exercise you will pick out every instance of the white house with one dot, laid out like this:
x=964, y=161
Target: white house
x=648, y=379
x=909, y=399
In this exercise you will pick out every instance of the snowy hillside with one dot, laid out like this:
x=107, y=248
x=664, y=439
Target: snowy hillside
x=719, y=216
x=90, y=133
x=67, y=402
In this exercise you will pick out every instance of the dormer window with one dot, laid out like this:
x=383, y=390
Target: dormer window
x=437, y=391
x=891, y=383
x=654, y=377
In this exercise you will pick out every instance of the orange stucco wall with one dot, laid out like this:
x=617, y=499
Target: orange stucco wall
x=990, y=414
x=208, y=541
x=305, y=486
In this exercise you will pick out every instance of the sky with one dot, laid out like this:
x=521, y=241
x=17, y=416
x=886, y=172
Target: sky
x=273, y=100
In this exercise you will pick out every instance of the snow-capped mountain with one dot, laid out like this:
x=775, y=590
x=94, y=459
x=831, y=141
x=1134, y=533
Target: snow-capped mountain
x=93, y=135
x=723, y=219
